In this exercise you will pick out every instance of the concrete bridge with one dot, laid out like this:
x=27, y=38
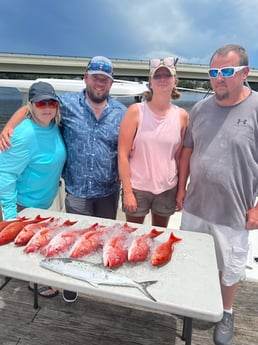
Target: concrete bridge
x=75, y=66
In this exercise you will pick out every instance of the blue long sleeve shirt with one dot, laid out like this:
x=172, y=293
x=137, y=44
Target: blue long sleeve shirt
x=30, y=170
x=91, y=168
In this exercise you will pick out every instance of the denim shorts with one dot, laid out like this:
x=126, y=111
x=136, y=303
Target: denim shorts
x=163, y=204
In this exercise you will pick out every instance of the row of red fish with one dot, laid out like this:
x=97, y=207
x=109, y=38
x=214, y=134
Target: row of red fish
x=46, y=236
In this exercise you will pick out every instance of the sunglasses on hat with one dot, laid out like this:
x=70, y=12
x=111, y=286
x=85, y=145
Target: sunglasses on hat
x=99, y=66
x=168, y=62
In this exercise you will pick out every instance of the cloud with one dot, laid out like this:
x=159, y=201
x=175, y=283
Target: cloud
x=191, y=30
x=129, y=29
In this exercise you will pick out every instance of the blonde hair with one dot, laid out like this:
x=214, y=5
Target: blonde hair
x=175, y=94
x=57, y=118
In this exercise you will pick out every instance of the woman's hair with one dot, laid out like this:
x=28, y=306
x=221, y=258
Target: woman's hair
x=57, y=118
x=175, y=94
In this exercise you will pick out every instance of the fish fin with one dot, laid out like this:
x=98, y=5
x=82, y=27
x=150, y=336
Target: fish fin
x=142, y=286
x=38, y=218
x=68, y=223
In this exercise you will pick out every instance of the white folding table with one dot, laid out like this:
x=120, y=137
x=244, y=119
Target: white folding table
x=188, y=285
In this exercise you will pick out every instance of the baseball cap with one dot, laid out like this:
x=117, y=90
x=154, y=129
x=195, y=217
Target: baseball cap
x=40, y=91
x=100, y=65
x=168, y=63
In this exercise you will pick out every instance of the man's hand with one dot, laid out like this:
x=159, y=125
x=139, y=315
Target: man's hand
x=252, y=218
x=5, y=135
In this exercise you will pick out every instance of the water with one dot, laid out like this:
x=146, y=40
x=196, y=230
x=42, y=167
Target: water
x=186, y=101
x=11, y=99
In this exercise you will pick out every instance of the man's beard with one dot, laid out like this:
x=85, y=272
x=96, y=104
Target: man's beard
x=96, y=99
x=221, y=96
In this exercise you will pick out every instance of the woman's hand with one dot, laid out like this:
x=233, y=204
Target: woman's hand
x=129, y=202
x=180, y=197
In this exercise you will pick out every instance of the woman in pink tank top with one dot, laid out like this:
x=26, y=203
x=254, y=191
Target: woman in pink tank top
x=149, y=145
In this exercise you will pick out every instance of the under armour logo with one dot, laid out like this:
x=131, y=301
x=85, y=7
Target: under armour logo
x=239, y=121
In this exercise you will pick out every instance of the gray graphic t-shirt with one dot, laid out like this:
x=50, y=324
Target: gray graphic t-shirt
x=224, y=163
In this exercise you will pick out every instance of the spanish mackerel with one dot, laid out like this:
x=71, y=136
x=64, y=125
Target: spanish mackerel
x=94, y=274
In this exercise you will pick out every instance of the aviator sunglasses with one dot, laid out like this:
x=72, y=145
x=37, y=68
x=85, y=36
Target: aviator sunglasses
x=43, y=104
x=168, y=61
x=226, y=72
x=99, y=66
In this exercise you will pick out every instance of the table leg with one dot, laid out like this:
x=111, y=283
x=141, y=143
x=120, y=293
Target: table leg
x=187, y=330
x=36, y=304
x=6, y=280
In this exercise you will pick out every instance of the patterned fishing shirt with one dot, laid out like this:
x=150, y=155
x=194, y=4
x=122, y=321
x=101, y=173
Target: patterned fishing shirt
x=91, y=168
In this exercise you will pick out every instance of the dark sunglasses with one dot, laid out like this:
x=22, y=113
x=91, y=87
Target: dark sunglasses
x=99, y=66
x=226, y=72
x=159, y=76
x=43, y=104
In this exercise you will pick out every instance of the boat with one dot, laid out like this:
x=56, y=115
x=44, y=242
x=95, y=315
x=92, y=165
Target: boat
x=120, y=88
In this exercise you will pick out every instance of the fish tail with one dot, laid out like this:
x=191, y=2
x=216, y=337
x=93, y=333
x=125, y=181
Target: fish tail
x=174, y=238
x=142, y=286
x=154, y=233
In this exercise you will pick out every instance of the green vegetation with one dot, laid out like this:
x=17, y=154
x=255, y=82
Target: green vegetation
x=194, y=84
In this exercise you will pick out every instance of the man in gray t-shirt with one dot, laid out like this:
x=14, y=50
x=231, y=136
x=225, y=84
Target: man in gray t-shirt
x=223, y=165
x=221, y=158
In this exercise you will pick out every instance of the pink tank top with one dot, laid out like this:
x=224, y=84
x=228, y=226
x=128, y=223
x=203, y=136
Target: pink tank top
x=152, y=158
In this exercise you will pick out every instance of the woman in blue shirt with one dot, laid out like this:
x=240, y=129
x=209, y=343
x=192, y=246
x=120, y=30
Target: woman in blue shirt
x=30, y=170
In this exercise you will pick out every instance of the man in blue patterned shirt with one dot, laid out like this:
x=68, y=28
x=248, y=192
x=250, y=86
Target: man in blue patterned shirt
x=90, y=125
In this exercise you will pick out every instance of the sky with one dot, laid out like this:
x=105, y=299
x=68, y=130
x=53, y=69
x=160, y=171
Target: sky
x=129, y=29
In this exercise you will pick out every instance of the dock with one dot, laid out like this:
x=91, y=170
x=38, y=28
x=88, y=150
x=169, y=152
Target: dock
x=95, y=322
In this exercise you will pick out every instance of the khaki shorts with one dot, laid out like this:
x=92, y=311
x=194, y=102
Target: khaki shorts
x=231, y=246
x=163, y=204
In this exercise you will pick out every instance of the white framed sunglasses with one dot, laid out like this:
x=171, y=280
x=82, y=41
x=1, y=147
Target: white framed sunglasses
x=226, y=72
